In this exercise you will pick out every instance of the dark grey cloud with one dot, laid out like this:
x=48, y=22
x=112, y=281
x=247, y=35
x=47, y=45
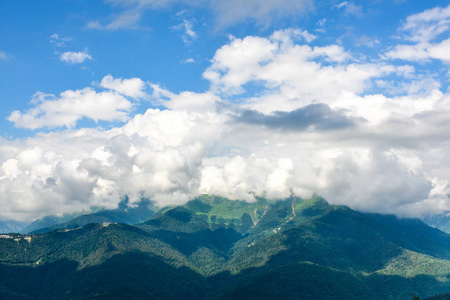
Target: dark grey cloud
x=314, y=116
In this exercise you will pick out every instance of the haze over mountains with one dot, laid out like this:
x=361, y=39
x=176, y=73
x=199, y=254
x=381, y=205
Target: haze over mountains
x=134, y=215
x=222, y=249
x=123, y=214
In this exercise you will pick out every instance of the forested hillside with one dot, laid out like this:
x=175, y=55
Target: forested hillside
x=214, y=248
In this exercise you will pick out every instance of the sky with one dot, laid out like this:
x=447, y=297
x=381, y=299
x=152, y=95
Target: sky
x=171, y=99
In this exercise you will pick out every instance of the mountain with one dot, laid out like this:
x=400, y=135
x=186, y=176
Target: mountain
x=11, y=226
x=214, y=248
x=47, y=221
x=439, y=221
x=123, y=214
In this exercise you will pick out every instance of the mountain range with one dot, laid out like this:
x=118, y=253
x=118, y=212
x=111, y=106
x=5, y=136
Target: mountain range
x=215, y=248
x=12, y=226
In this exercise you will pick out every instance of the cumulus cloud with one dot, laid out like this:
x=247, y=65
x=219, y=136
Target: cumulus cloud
x=71, y=58
x=292, y=68
x=313, y=125
x=157, y=154
x=185, y=100
x=70, y=106
x=355, y=176
x=133, y=87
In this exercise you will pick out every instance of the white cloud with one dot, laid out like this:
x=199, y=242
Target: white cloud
x=186, y=100
x=75, y=57
x=427, y=25
x=290, y=35
x=188, y=35
x=349, y=8
x=189, y=60
x=71, y=106
x=58, y=40
x=427, y=30
x=421, y=52
x=280, y=64
x=419, y=85
x=133, y=87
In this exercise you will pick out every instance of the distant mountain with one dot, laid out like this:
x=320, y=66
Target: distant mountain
x=123, y=214
x=214, y=248
x=439, y=221
x=11, y=226
x=47, y=221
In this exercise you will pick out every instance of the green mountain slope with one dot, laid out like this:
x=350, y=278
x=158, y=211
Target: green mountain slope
x=214, y=248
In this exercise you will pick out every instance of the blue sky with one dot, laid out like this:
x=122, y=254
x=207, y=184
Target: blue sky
x=171, y=98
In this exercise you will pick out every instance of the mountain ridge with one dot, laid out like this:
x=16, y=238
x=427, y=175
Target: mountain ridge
x=295, y=247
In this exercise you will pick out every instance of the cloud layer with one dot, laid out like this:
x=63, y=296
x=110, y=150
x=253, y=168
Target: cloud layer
x=280, y=116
